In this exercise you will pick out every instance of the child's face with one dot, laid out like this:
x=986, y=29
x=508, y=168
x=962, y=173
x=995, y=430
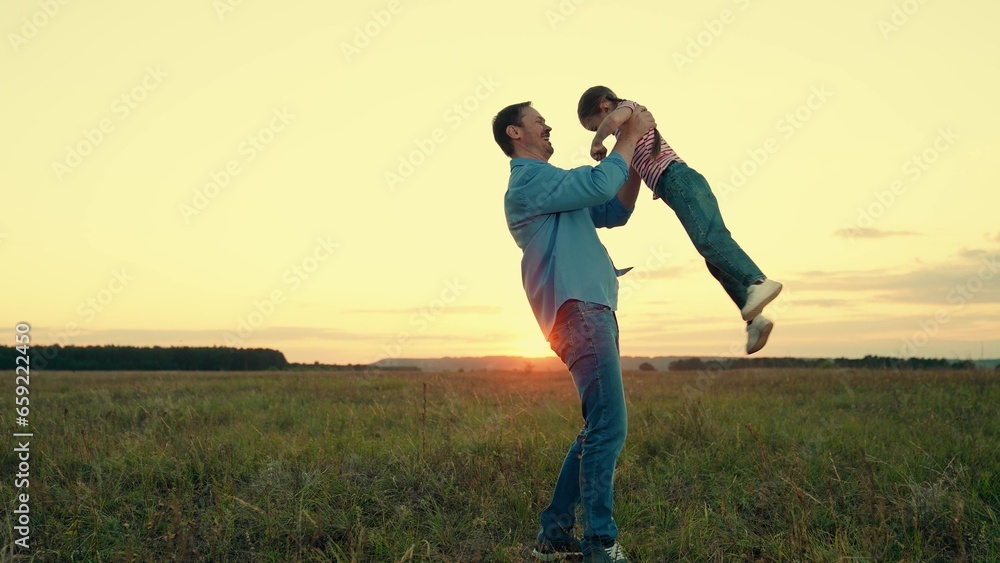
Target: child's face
x=594, y=121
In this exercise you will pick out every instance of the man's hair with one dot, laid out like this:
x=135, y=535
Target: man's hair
x=510, y=115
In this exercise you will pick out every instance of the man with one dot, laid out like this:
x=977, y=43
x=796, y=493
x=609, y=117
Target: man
x=573, y=290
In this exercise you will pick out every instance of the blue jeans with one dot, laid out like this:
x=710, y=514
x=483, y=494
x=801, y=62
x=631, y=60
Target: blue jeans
x=585, y=337
x=688, y=194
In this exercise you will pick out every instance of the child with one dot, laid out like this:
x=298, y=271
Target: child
x=688, y=194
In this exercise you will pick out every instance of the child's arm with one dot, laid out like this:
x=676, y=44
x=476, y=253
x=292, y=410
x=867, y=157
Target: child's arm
x=611, y=123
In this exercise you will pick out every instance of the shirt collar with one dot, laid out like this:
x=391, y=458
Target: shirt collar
x=523, y=161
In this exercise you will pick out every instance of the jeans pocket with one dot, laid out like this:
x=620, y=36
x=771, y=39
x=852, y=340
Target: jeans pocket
x=588, y=309
x=573, y=340
x=572, y=337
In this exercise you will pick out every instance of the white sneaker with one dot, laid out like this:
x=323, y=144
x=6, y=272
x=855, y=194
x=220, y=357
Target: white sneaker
x=613, y=554
x=758, y=296
x=757, y=332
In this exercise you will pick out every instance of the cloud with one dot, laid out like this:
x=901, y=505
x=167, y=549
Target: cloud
x=307, y=333
x=690, y=325
x=470, y=337
x=672, y=272
x=972, y=274
x=973, y=253
x=856, y=280
x=207, y=337
x=450, y=309
x=857, y=232
x=822, y=302
x=153, y=337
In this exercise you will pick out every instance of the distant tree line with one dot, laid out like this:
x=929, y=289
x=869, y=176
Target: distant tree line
x=316, y=366
x=133, y=358
x=881, y=362
x=695, y=364
x=868, y=362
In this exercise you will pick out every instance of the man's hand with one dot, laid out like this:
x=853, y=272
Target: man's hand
x=637, y=125
x=633, y=130
x=597, y=150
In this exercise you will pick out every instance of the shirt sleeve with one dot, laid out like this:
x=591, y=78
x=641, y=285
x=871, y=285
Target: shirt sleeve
x=610, y=214
x=579, y=188
x=627, y=104
x=624, y=104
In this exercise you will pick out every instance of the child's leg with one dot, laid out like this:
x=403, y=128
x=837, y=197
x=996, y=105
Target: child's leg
x=736, y=290
x=689, y=195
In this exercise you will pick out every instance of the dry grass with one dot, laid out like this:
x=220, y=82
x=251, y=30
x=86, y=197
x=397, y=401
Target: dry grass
x=782, y=465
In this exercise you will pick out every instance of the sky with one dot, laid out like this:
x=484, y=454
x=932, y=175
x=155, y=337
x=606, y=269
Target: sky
x=321, y=178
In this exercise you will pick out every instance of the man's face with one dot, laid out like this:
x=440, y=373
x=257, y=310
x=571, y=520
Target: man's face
x=531, y=139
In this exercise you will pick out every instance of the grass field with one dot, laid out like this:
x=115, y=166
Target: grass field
x=781, y=465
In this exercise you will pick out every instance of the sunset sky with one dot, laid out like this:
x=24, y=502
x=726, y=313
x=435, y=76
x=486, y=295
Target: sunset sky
x=321, y=178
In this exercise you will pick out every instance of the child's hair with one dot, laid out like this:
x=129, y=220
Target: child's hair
x=590, y=104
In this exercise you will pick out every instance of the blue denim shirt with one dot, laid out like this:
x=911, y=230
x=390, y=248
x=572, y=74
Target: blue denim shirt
x=553, y=215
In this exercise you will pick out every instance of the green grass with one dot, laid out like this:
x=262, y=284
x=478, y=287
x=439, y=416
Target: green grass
x=780, y=465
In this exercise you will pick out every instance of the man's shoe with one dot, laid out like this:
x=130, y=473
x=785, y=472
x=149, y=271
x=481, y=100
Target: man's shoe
x=757, y=332
x=613, y=554
x=758, y=296
x=557, y=551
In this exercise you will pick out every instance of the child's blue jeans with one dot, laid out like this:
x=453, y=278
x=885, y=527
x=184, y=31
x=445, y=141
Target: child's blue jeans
x=689, y=195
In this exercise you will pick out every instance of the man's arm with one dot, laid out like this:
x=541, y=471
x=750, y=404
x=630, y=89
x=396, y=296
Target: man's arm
x=552, y=190
x=611, y=123
x=629, y=192
x=617, y=210
x=633, y=130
